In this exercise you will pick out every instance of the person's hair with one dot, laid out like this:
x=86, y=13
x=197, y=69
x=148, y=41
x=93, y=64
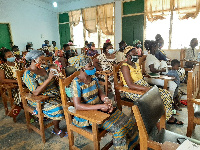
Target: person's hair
x=65, y=46
x=14, y=47
x=194, y=39
x=105, y=46
x=34, y=54
x=86, y=42
x=175, y=62
x=121, y=43
x=158, y=37
x=4, y=54
x=70, y=41
x=149, y=44
x=53, y=42
x=28, y=46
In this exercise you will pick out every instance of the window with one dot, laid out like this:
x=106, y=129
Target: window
x=159, y=27
x=184, y=30
x=78, y=35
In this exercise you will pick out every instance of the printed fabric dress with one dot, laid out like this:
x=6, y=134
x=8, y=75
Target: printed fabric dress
x=125, y=133
x=52, y=108
x=137, y=78
x=11, y=74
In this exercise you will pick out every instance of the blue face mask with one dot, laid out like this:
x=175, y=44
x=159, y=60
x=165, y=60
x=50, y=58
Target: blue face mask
x=90, y=72
x=111, y=51
x=11, y=59
x=139, y=45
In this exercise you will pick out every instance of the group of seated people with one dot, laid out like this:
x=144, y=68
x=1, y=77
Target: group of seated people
x=86, y=93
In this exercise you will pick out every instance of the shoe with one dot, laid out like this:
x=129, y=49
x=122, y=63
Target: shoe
x=175, y=122
x=66, y=135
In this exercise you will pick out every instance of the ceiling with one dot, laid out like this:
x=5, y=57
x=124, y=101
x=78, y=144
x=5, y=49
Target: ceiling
x=58, y=1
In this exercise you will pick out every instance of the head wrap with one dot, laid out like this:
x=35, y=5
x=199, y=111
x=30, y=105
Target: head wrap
x=108, y=41
x=127, y=49
x=79, y=61
x=34, y=54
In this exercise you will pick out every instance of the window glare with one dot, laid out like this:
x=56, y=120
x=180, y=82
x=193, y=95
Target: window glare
x=78, y=35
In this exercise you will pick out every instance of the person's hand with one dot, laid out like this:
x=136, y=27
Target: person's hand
x=108, y=101
x=163, y=70
x=51, y=75
x=104, y=107
x=111, y=108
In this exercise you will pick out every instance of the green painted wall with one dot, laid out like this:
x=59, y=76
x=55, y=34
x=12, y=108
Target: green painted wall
x=132, y=28
x=5, y=40
x=63, y=18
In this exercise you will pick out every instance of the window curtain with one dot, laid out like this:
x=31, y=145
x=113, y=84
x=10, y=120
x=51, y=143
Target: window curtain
x=90, y=19
x=187, y=8
x=105, y=14
x=157, y=9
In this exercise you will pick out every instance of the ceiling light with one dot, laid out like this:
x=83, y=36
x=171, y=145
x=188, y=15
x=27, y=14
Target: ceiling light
x=55, y=4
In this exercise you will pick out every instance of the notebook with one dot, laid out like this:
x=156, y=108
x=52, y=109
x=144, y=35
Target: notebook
x=154, y=75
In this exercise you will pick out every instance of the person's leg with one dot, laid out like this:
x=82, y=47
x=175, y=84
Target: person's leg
x=56, y=128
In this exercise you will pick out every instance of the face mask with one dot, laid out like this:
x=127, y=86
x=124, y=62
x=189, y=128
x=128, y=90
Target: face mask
x=29, y=50
x=111, y=51
x=11, y=59
x=134, y=58
x=38, y=65
x=90, y=72
x=139, y=45
x=17, y=52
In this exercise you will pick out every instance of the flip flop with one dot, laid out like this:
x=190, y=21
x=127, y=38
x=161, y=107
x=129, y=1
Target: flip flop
x=175, y=122
x=66, y=135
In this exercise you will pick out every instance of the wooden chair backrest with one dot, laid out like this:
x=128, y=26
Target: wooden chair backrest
x=65, y=83
x=101, y=50
x=117, y=79
x=49, y=59
x=142, y=63
x=19, y=74
x=193, y=82
x=182, y=57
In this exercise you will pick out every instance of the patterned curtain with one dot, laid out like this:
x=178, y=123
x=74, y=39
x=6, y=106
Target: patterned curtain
x=90, y=19
x=105, y=14
x=74, y=17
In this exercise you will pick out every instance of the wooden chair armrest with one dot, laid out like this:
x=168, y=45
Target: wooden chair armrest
x=107, y=72
x=126, y=89
x=8, y=86
x=196, y=101
x=34, y=98
x=91, y=115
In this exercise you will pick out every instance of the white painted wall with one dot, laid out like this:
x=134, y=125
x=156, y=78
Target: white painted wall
x=78, y=4
x=29, y=20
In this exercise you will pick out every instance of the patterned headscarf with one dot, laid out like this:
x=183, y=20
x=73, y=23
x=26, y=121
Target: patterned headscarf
x=79, y=61
x=127, y=49
x=34, y=54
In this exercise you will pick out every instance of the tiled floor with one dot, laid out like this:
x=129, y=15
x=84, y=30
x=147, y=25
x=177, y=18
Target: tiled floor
x=16, y=136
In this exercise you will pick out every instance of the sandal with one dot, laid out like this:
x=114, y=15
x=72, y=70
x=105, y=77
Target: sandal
x=66, y=135
x=175, y=122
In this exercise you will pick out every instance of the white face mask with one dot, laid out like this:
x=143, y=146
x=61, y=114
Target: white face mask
x=111, y=51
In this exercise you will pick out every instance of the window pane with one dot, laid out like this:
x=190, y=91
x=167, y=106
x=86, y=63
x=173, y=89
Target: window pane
x=78, y=35
x=92, y=37
x=183, y=31
x=159, y=27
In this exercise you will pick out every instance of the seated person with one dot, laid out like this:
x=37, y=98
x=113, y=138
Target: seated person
x=105, y=62
x=153, y=65
x=87, y=95
x=41, y=81
x=191, y=53
x=46, y=44
x=120, y=54
x=92, y=51
x=138, y=45
x=160, y=54
x=132, y=78
x=68, y=52
x=8, y=73
x=72, y=48
x=29, y=48
x=174, y=73
x=16, y=52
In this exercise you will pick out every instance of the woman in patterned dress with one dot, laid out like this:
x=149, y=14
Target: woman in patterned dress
x=87, y=95
x=8, y=74
x=105, y=62
x=40, y=80
x=131, y=76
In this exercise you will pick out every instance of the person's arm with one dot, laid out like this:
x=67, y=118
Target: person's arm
x=153, y=70
x=96, y=65
x=127, y=76
x=3, y=78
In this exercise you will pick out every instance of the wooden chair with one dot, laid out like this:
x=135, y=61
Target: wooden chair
x=182, y=60
x=49, y=59
x=101, y=50
x=120, y=88
x=94, y=116
x=148, y=109
x=105, y=82
x=6, y=94
x=193, y=87
x=26, y=95
x=163, y=77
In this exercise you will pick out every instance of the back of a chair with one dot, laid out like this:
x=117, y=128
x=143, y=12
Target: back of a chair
x=19, y=74
x=182, y=57
x=151, y=108
x=101, y=50
x=142, y=63
x=193, y=84
x=66, y=83
x=116, y=70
